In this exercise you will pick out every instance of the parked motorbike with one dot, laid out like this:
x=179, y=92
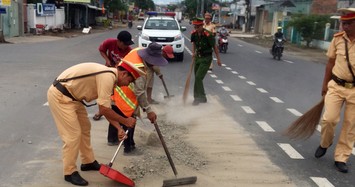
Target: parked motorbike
x=278, y=50
x=223, y=43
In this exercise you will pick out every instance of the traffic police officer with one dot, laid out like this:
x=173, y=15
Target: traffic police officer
x=339, y=89
x=203, y=43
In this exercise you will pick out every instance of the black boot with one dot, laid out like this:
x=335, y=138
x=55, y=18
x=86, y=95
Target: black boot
x=76, y=179
x=95, y=166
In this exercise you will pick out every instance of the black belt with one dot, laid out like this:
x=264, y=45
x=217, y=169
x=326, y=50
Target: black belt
x=343, y=82
x=65, y=92
x=204, y=54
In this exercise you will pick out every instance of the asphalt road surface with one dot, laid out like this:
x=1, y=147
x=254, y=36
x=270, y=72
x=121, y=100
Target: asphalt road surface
x=262, y=94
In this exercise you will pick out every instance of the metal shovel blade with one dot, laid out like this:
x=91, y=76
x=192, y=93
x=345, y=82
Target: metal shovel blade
x=179, y=181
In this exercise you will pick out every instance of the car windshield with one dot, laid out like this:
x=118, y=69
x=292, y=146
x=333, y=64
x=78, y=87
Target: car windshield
x=161, y=24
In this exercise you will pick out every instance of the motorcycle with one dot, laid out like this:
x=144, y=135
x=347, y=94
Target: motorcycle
x=223, y=43
x=278, y=49
x=130, y=24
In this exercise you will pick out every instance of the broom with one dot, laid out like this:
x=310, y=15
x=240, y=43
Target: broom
x=305, y=126
x=187, y=83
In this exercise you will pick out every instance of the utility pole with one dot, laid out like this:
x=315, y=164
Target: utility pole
x=247, y=14
x=202, y=7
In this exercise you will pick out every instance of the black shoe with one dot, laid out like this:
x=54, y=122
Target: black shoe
x=76, y=179
x=112, y=143
x=127, y=150
x=95, y=166
x=341, y=166
x=320, y=152
x=195, y=102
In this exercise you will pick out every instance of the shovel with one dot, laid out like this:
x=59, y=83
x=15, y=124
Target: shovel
x=176, y=181
x=107, y=171
x=166, y=89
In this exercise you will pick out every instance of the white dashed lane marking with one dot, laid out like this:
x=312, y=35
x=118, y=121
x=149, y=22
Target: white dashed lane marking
x=290, y=151
x=240, y=45
x=236, y=98
x=322, y=182
x=248, y=110
x=258, y=52
x=223, y=65
x=228, y=68
x=46, y=104
x=266, y=127
x=242, y=77
x=294, y=112
x=213, y=75
x=234, y=72
x=219, y=81
x=277, y=100
x=288, y=61
x=262, y=90
x=226, y=88
x=251, y=83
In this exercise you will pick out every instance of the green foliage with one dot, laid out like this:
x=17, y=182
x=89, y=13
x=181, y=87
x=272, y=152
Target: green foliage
x=309, y=26
x=145, y=4
x=34, y=1
x=172, y=7
x=115, y=5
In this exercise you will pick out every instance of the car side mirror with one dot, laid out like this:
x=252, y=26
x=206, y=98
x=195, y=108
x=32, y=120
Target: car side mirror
x=139, y=27
x=183, y=28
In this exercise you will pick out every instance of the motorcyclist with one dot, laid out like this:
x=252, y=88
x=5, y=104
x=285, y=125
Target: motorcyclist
x=222, y=33
x=278, y=35
x=130, y=20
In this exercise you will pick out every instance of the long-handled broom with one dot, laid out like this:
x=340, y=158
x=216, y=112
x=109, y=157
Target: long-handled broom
x=305, y=126
x=187, y=83
x=176, y=181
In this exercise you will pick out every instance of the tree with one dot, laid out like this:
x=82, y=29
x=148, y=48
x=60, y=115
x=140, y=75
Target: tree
x=310, y=26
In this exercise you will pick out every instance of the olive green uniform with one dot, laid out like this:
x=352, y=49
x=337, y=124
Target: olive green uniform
x=204, y=44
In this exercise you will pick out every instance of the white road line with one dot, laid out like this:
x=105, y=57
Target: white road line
x=213, y=75
x=262, y=90
x=248, y=110
x=277, y=100
x=294, y=112
x=228, y=68
x=46, y=104
x=319, y=128
x=187, y=38
x=224, y=65
x=251, y=83
x=242, y=77
x=258, y=52
x=226, y=88
x=236, y=98
x=322, y=182
x=240, y=45
x=288, y=61
x=266, y=127
x=234, y=72
x=290, y=151
x=214, y=59
x=188, y=50
x=219, y=81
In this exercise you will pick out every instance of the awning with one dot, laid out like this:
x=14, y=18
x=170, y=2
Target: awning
x=334, y=17
x=94, y=7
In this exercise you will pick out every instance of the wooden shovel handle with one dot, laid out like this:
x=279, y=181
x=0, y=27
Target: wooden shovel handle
x=165, y=148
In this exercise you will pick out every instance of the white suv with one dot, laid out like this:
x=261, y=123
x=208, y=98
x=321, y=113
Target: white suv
x=164, y=29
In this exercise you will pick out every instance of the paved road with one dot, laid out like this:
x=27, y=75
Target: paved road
x=261, y=94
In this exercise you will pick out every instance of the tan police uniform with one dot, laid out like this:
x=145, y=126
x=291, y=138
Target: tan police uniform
x=336, y=97
x=71, y=116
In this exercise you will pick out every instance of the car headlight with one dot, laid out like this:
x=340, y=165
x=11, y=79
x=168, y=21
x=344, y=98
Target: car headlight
x=178, y=37
x=144, y=36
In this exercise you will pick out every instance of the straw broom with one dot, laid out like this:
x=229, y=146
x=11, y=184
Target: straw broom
x=305, y=126
x=187, y=83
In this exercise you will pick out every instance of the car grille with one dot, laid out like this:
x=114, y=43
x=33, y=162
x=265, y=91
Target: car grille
x=161, y=39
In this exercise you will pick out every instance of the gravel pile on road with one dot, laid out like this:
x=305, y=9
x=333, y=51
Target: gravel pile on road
x=153, y=159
